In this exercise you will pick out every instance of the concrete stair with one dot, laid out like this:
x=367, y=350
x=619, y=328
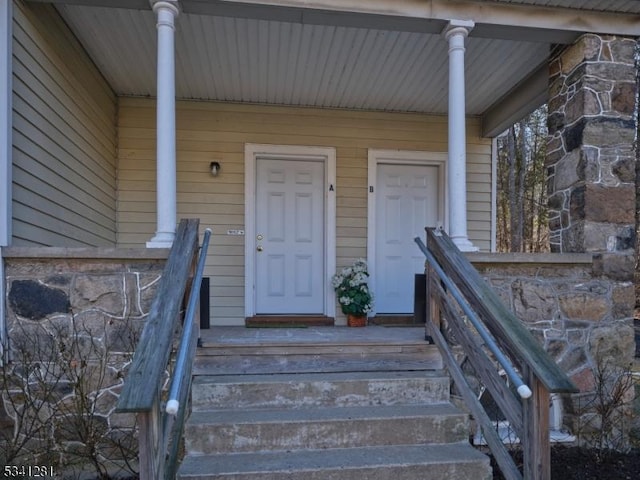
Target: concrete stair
x=264, y=409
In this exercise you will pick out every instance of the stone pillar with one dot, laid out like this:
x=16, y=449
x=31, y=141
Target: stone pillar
x=590, y=153
x=591, y=183
x=455, y=33
x=166, y=12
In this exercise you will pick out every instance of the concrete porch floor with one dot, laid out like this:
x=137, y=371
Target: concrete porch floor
x=370, y=335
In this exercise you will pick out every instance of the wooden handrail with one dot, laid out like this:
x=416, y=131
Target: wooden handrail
x=529, y=417
x=508, y=330
x=489, y=342
x=180, y=389
x=141, y=392
x=182, y=374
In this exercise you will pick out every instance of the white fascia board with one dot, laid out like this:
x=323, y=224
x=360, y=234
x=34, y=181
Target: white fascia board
x=536, y=17
x=493, y=20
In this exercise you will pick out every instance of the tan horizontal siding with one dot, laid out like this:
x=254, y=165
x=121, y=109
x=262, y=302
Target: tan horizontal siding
x=64, y=137
x=218, y=131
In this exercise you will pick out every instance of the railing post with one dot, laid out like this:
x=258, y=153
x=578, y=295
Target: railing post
x=141, y=390
x=452, y=277
x=536, y=444
x=433, y=311
x=150, y=443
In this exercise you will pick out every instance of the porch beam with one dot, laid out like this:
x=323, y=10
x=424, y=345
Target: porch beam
x=484, y=14
x=528, y=95
x=493, y=20
x=166, y=198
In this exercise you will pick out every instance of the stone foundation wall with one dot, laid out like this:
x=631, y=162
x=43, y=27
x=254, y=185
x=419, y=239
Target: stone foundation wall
x=580, y=313
x=73, y=320
x=79, y=318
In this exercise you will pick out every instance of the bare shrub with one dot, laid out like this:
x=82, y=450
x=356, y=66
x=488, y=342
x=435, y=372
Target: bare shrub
x=59, y=391
x=603, y=416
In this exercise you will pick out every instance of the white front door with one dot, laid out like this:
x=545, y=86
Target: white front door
x=407, y=201
x=289, y=236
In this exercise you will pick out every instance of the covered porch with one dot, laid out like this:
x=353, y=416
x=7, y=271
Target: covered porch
x=121, y=117
x=365, y=93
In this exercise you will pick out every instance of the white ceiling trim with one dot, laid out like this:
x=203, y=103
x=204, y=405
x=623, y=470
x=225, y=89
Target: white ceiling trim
x=259, y=61
x=386, y=55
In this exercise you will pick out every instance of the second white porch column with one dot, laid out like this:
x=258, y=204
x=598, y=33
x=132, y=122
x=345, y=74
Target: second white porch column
x=456, y=32
x=166, y=12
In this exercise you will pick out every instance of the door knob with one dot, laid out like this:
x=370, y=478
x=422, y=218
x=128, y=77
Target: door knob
x=259, y=248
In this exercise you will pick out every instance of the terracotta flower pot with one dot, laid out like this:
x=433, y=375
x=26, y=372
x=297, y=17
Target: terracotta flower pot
x=356, y=320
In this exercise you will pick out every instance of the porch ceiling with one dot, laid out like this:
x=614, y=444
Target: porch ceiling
x=286, y=54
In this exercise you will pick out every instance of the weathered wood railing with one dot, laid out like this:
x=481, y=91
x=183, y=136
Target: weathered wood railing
x=180, y=389
x=142, y=389
x=447, y=269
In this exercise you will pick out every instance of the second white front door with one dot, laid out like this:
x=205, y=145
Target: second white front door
x=407, y=201
x=289, y=241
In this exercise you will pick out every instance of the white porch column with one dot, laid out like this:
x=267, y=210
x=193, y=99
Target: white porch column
x=166, y=12
x=456, y=32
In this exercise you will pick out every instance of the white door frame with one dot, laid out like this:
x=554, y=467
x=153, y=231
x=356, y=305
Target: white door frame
x=327, y=155
x=400, y=157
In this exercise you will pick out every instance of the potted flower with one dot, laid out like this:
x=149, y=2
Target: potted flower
x=353, y=293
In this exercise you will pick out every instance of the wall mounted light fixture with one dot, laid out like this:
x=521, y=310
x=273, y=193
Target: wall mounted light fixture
x=215, y=168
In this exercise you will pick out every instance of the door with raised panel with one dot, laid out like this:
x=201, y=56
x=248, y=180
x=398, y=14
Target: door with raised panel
x=407, y=200
x=289, y=241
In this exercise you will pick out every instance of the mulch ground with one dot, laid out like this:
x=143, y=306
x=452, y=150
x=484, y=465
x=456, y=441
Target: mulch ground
x=575, y=463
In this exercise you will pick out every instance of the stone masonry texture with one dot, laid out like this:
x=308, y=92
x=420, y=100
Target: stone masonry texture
x=590, y=152
x=584, y=317
x=77, y=320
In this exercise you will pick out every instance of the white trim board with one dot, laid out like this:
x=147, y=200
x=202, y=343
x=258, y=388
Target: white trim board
x=6, y=21
x=400, y=157
x=6, y=147
x=327, y=155
x=494, y=194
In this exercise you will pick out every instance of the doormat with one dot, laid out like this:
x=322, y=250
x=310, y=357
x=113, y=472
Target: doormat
x=395, y=321
x=275, y=325
x=282, y=321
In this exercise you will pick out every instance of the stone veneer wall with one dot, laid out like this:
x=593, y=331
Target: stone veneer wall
x=578, y=312
x=591, y=165
x=570, y=302
x=590, y=152
x=101, y=295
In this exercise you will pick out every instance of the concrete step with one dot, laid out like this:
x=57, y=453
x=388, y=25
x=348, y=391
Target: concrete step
x=457, y=461
x=259, y=340
x=262, y=349
x=323, y=428
x=214, y=392
x=230, y=350
x=312, y=363
x=325, y=404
